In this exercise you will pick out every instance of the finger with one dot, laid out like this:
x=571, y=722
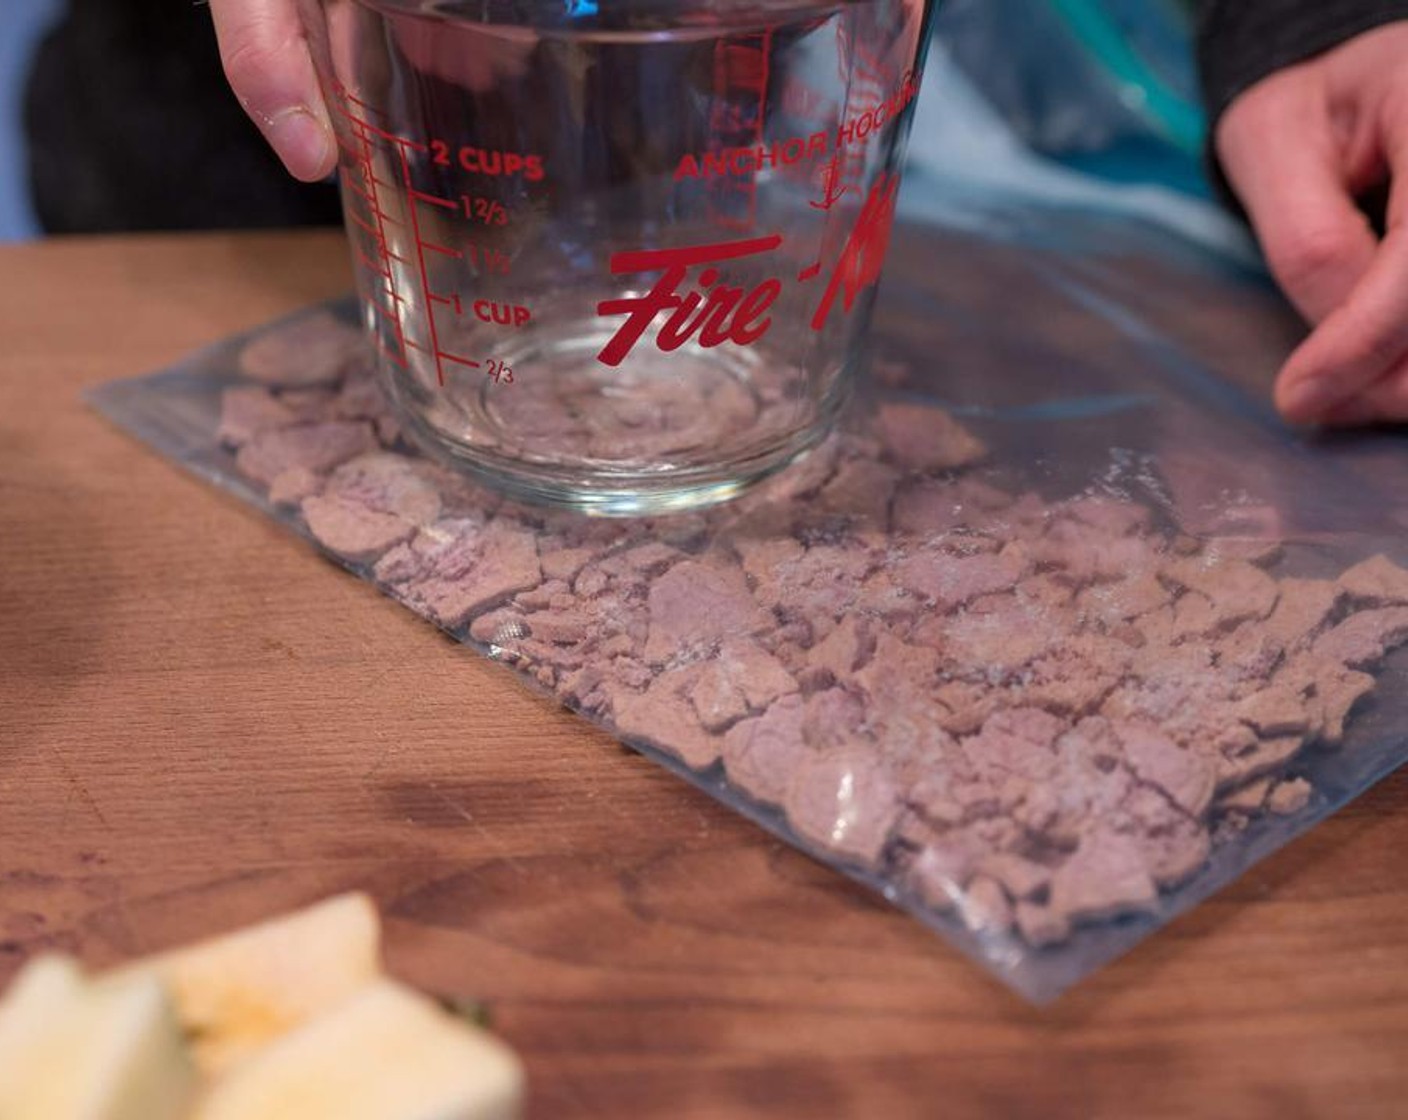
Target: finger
x=267, y=62
x=1357, y=345
x=1354, y=369
x=1395, y=128
x=1279, y=149
x=1386, y=401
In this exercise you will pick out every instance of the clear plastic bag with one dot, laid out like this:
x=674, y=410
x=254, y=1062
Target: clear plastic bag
x=1052, y=641
x=1075, y=77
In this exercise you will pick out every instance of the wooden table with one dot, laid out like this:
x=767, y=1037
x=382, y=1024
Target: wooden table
x=203, y=723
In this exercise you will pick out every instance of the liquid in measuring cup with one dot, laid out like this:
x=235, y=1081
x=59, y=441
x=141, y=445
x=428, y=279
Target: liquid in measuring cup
x=619, y=259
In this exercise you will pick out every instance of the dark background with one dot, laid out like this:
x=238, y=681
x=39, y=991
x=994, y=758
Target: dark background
x=131, y=126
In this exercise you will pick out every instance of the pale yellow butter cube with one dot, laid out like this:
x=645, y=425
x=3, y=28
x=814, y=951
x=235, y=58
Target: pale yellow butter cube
x=112, y=1052
x=236, y=993
x=386, y=1054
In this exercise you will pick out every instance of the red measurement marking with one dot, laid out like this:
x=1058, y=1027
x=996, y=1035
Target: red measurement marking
x=424, y=272
x=395, y=358
x=504, y=314
x=391, y=312
x=400, y=333
x=490, y=260
x=435, y=200
x=366, y=194
x=359, y=126
x=486, y=210
x=368, y=191
x=357, y=220
x=501, y=372
x=347, y=95
x=379, y=269
x=470, y=362
x=809, y=273
x=488, y=161
x=364, y=130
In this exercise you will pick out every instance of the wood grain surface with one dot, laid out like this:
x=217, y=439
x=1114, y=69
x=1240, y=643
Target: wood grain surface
x=202, y=723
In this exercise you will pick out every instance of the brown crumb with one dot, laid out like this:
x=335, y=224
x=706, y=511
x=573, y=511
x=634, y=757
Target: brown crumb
x=1289, y=797
x=924, y=438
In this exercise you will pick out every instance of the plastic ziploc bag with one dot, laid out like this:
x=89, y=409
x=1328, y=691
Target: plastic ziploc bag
x=1060, y=634
x=1080, y=76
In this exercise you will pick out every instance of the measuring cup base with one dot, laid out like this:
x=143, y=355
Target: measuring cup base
x=619, y=493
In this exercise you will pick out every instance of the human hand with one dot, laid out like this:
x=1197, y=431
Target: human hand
x=269, y=66
x=1298, y=148
x=267, y=61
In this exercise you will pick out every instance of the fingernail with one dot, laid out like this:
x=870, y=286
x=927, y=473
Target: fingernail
x=1308, y=398
x=302, y=142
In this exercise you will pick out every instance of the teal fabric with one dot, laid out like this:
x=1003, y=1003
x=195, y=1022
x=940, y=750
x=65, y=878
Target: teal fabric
x=1127, y=41
x=1107, y=87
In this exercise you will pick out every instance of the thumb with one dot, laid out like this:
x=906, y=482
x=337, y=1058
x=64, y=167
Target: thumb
x=267, y=62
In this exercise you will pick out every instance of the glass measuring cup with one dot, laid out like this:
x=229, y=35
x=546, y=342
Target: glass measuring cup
x=619, y=256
